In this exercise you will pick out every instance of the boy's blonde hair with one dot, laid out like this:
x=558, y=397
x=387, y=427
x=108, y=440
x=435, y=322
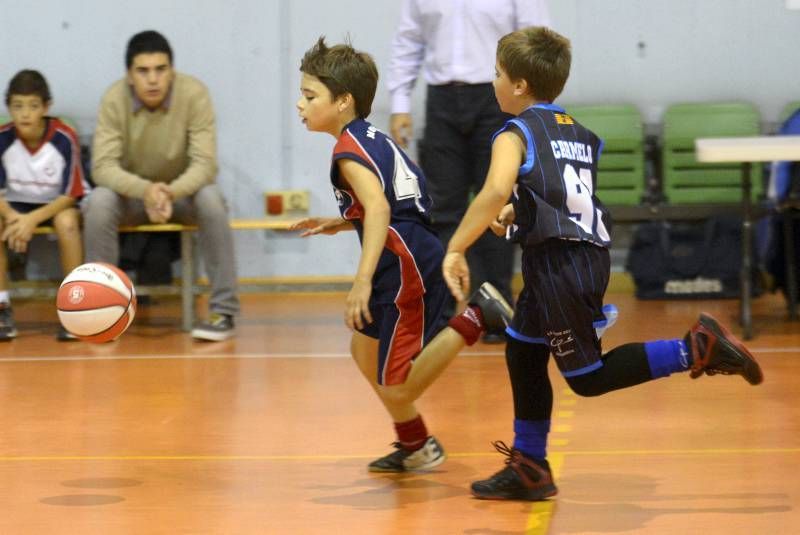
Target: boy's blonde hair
x=342, y=69
x=539, y=56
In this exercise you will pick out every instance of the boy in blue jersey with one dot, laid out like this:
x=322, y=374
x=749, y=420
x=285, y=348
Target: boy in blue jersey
x=41, y=180
x=546, y=163
x=401, y=338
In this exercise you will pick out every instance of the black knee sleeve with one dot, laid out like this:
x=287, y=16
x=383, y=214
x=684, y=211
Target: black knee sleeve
x=530, y=384
x=623, y=366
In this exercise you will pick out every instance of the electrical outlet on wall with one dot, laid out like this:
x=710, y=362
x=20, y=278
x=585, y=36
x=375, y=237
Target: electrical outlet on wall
x=282, y=201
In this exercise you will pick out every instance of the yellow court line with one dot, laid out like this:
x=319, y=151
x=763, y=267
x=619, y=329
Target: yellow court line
x=541, y=512
x=560, y=455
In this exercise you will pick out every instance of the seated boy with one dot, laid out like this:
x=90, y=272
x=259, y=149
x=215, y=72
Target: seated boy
x=41, y=180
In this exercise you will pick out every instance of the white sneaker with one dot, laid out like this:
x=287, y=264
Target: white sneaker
x=431, y=454
x=428, y=456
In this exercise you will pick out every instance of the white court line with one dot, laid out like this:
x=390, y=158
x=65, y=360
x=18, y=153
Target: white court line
x=258, y=356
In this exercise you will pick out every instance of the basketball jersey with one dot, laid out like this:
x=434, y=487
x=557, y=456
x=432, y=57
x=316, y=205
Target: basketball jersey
x=404, y=188
x=41, y=175
x=554, y=196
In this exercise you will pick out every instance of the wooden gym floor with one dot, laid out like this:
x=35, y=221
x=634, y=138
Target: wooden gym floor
x=270, y=433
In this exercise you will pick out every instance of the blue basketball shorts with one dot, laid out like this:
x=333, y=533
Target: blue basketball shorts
x=562, y=300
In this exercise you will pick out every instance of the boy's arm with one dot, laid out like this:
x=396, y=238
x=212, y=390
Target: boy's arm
x=507, y=156
x=377, y=215
x=19, y=229
x=5, y=208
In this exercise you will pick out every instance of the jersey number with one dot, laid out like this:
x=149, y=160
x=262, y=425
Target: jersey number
x=405, y=181
x=579, y=201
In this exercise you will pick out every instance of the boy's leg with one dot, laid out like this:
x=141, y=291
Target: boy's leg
x=8, y=329
x=70, y=245
x=526, y=475
x=70, y=248
x=486, y=311
x=415, y=449
x=707, y=348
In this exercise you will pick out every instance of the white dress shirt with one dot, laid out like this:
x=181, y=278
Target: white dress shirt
x=453, y=41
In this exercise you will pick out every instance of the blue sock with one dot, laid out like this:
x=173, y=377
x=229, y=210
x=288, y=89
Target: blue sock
x=667, y=356
x=530, y=437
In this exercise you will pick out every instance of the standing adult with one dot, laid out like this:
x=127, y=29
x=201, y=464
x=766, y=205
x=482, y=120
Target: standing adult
x=453, y=43
x=154, y=160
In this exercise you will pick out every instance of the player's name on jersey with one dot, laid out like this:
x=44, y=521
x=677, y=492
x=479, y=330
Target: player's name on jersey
x=572, y=150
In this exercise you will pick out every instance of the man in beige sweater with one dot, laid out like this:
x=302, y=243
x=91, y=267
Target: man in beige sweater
x=154, y=160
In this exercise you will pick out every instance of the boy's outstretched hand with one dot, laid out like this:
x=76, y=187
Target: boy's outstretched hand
x=456, y=274
x=320, y=225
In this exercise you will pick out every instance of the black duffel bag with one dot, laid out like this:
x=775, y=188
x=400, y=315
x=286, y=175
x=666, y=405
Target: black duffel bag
x=687, y=260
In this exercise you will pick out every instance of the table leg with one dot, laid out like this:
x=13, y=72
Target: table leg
x=187, y=281
x=788, y=251
x=747, y=268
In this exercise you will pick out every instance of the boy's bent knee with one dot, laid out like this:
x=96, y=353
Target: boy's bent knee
x=586, y=385
x=67, y=221
x=396, y=394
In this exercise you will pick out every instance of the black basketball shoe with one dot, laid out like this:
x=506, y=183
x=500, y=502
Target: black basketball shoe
x=521, y=479
x=496, y=311
x=715, y=350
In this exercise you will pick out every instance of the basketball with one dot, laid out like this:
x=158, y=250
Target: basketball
x=96, y=302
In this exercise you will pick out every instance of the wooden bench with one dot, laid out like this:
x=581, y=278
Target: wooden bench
x=187, y=252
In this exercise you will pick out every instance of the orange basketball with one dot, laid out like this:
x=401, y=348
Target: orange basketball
x=96, y=302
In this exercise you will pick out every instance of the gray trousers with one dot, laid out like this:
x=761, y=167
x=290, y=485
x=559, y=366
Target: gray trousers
x=104, y=211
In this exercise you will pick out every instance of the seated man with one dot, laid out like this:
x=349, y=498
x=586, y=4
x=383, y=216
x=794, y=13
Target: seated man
x=154, y=160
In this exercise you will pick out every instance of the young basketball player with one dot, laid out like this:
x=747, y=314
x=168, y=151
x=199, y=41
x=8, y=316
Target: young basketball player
x=547, y=164
x=396, y=305
x=41, y=180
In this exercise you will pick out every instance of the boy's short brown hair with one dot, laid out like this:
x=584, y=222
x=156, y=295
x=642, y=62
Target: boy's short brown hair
x=539, y=56
x=28, y=82
x=342, y=69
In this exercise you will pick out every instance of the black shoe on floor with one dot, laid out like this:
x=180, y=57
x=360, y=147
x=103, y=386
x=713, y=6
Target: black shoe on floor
x=496, y=311
x=8, y=329
x=430, y=455
x=521, y=479
x=218, y=327
x=715, y=350
x=64, y=335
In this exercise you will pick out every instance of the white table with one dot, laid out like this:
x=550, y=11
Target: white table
x=746, y=150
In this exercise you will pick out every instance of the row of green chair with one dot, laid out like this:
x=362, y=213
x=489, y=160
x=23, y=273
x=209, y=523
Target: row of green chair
x=621, y=177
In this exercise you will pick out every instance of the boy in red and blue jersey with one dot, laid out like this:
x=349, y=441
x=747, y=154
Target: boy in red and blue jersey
x=402, y=339
x=41, y=180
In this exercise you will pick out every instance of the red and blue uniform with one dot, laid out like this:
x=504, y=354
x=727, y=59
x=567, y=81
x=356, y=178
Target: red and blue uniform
x=409, y=297
x=39, y=176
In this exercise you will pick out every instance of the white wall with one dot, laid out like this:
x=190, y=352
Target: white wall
x=248, y=53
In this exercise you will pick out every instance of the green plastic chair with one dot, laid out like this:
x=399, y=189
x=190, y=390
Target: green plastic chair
x=688, y=181
x=789, y=109
x=620, y=175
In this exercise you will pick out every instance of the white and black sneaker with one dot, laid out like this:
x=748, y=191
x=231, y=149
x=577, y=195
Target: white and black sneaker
x=8, y=329
x=496, y=311
x=430, y=455
x=217, y=328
